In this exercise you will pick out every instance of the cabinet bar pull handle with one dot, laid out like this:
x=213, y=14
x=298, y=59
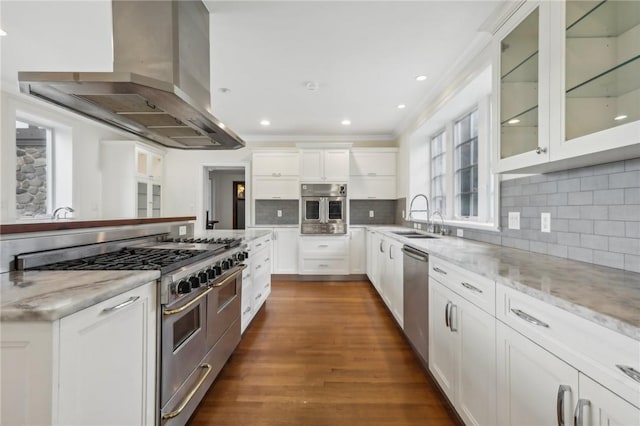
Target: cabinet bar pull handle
x=578, y=420
x=629, y=371
x=562, y=389
x=230, y=277
x=471, y=287
x=276, y=197
x=188, y=398
x=188, y=305
x=258, y=266
x=323, y=245
x=246, y=311
x=381, y=250
x=121, y=305
x=528, y=318
x=390, y=252
x=373, y=198
x=451, y=327
x=323, y=265
x=371, y=174
x=258, y=296
x=440, y=271
x=267, y=285
x=446, y=314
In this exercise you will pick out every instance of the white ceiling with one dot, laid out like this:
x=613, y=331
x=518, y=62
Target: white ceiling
x=363, y=55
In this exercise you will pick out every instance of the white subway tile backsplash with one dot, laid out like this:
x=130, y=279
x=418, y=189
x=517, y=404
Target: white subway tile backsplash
x=608, y=197
x=594, y=182
x=625, y=180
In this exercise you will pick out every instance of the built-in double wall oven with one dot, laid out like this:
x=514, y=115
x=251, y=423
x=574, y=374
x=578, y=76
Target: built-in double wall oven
x=324, y=208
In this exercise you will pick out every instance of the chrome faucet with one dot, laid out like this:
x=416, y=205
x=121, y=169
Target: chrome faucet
x=442, y=230
x=56, y=212
x=411, y=210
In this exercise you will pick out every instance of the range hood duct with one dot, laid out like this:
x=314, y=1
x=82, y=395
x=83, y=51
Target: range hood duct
x=159, y=87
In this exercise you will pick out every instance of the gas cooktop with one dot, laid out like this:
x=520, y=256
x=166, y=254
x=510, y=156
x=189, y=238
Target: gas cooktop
x=136, y=258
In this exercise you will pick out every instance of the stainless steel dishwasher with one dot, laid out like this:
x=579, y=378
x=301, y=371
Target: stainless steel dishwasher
x=416, y=301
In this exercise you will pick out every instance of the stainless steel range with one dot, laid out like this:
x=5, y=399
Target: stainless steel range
x=199, y=298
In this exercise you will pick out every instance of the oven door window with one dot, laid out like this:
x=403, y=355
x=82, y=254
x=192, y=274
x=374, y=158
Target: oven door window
x=335, y=210
x=185, y=327
x=312, y=209
x=226, y=295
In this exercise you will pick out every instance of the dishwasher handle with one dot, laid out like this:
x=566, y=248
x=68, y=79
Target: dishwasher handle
x=415, y=254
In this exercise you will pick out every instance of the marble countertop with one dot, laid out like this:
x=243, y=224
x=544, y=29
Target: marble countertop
x=245, y=234
x=607, y=296
x=51, y=295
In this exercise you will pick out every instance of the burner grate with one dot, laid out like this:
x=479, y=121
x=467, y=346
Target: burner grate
x=132, y=259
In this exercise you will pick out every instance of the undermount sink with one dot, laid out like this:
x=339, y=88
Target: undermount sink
x=413, y=234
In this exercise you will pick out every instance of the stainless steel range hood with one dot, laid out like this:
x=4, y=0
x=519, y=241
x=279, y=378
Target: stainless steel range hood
x=159, y=89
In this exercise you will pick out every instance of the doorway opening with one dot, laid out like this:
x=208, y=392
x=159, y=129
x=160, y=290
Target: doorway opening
x=225, y=193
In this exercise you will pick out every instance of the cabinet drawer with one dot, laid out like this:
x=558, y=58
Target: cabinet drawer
x=477, y=289
x=589, y=347
x=324, y=246
x=324, y=266
x=372, y=187
x=260, y=243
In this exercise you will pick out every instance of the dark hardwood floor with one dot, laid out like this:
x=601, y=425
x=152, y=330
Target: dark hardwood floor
x=323, y=354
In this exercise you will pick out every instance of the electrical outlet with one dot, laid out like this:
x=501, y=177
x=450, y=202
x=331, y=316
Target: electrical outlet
x=279, y=213
x=371, y=213
x=402, y=213
x=182, y=230
x=514, y=220
x=460, y=232
x=545, y=222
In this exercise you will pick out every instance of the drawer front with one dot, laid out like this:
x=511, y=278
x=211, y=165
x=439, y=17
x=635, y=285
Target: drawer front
x=324, y=266
x=260, y=243
x=276, y=188
x=324, y=246
x=606, y=356
x=476, y=289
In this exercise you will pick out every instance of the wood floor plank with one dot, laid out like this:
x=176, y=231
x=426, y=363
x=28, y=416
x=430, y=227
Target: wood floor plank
x=323, y=354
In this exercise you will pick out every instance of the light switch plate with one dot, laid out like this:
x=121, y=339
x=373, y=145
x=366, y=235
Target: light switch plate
x=279, y=213
x=182, y=230
x=460, y=232
x=545, y=222
x=371, y=213
x=514, y=220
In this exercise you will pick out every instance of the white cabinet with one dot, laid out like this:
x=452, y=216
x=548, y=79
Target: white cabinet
x=256, y=279
x=373, y=241
x=391, y=286
x=531, y=381
x=569, y=92
x=372, y=173
x=275, y=175
x=462, y=354
x=324, y=255
x=324, y=165
x=541, y=347
x=131, y=180
x=357, y=251
x=598, y=406
x=94, y=367
x=285, y=253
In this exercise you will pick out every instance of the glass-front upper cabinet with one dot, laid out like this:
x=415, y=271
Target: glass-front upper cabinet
x=601, y=66
x=523, y=84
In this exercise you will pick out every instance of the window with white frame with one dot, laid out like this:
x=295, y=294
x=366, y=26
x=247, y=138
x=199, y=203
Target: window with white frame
x=438, y=173
x=465, y=140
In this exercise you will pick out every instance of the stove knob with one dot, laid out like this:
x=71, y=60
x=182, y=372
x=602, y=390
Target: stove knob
x=218, y=270
x=183, y=287
x=240, y=257
x=203, y=277
x=225, y=265
x=195, y=282
x=245, y=254
x=211, y=273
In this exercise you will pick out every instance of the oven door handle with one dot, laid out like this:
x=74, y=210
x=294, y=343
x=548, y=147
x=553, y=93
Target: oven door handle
x=188, y=305
x=188, y=398
x=230, y=277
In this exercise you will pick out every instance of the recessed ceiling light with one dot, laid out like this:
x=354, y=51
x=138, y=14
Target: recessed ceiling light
x=421, y=78
x=402, y=106
x=3, y=33
x=513, y=121
x=620, y=117
x=346, y=122
x=265, y=122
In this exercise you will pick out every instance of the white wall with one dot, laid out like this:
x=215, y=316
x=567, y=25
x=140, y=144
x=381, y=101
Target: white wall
x=185, y=176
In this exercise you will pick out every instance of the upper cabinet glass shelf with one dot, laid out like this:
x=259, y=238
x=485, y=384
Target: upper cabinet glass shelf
x=602, y=65
x=601, y=18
